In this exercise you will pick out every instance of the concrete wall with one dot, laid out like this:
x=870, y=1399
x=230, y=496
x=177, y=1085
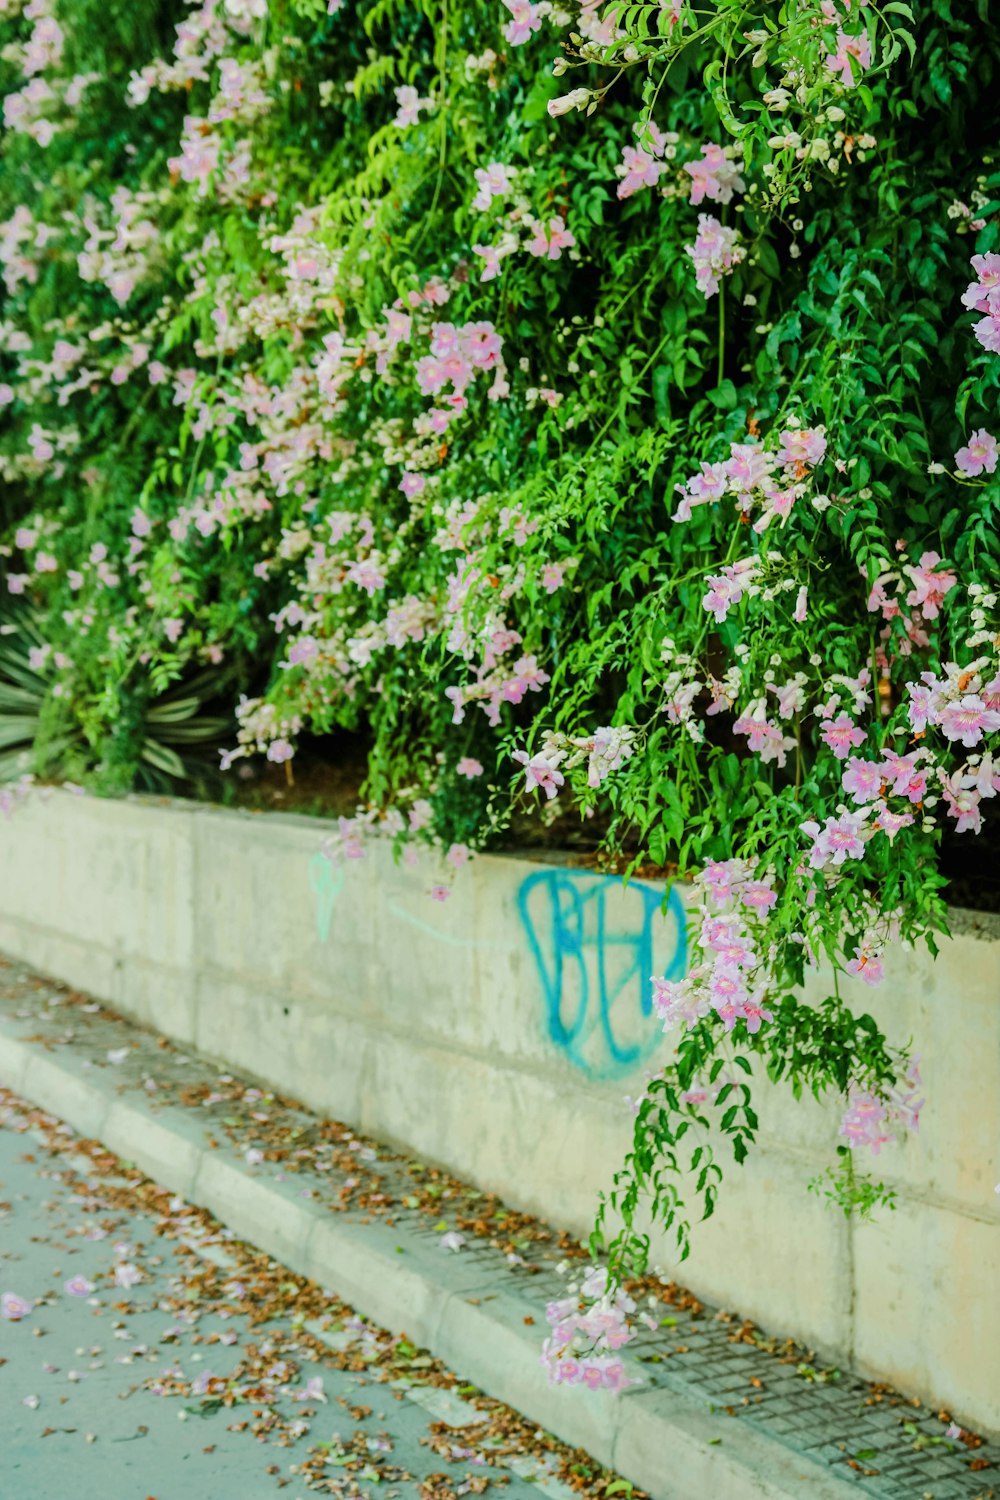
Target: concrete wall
x=497, y=1033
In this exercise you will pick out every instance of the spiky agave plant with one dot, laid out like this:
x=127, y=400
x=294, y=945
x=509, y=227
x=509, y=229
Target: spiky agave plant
x=23, y=690
x=179, y=730
x=175, y=731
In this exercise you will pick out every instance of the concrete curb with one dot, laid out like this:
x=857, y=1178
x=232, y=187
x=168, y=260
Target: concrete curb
x=667, y=1443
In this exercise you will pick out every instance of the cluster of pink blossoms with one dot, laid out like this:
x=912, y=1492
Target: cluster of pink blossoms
x=867, y=964
x=870, y=1114
x=409, y=104
x=604, y=751
x=713, y=176
x=764, y=481
x=918, y=591
x=983, y=296
x=963, y=703
x=733, y=977
x=41, y=108
x=456, y=356
x=891, y=791
x=580, y=1349
x=643, y=166
x=716, y=253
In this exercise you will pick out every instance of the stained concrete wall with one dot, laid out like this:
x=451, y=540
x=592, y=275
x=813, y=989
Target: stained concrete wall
x=498, y=1033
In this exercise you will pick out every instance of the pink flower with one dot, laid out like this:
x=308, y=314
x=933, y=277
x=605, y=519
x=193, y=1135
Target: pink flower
x=719, y=876
x=469, y=768
x=758, y=895
x=907, y=779
x=727, y=588
x=550, y=244
x=754, y=1014
x=726, y=988
x=962, y=799
x=14, y=1307
x=412, y=484
x=367, y=575
x=987, y=331
x=865, y=1120
x=801, y=611
x=637, y=170
x=838, y=840
x=481, y=344
x=614, y=1376
x=929, y=588
x=410, y=105
x=493, y=181
x=715, y=253
x=867, y=967
x=714, y=177
x=490, y=255
x=127, y=1275
x=979, y=456
x=525, y=18
x=842, y=735
x=983, y=293
x=706, y=487
x=78, y=1286
x=747, y=468
x=968, y=720
x=421, y=815
x=765, y=738
x=575, y=99
x=540, y=771
x=852, y=57
x=459, y=855
x=922, y=708
x=803, y=447
x=440, y=892
x=890, y=822
x=862, y=779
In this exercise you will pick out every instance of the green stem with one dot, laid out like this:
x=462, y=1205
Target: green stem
x=722, y=331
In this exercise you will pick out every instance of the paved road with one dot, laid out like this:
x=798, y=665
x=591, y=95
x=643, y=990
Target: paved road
x=155, y=1358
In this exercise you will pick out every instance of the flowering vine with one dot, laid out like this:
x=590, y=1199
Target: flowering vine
x=592, y=408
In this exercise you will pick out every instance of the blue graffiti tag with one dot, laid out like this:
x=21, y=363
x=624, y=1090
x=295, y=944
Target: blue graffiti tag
x=594, y=946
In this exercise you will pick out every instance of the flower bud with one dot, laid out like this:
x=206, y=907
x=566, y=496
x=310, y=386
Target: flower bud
x=576, y=99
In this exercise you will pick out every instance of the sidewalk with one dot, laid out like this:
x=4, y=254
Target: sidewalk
x=141, y=1313
x=723, y=1411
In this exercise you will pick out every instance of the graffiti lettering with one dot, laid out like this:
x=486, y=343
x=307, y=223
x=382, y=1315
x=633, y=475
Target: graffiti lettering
x=595, y=944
